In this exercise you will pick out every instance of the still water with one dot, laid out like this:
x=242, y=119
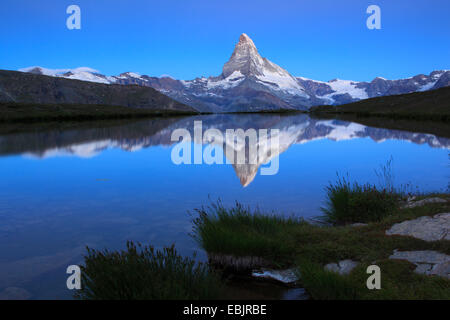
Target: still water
x=63, y=190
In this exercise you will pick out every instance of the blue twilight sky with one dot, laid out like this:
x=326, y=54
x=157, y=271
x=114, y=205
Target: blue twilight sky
x=319, y=39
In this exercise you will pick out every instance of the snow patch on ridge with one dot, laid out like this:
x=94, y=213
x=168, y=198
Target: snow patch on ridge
x=343, y=87
x=82, y=73
x=87, y=76
x=130, y=75
x=229, y=82
x=308, y=79
x=56, y=72
x=283, y=82
x=427, y=86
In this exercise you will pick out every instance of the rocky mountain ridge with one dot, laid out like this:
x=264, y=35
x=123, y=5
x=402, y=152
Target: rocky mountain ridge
x=26, y=88
x=250, y=82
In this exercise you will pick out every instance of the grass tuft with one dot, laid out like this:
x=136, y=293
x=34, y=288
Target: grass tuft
x=348, y=202
x=145, y=273
x=351, y=203
x=241, y=232
x=322, y=284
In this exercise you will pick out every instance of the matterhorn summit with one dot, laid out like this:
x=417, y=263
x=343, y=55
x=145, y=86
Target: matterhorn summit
x=246, y=61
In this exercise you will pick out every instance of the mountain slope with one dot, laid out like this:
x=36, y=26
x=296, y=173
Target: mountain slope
x=19, y=87
x=433, y=105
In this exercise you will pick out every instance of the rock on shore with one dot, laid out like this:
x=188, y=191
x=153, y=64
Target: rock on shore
x=425, y=228
x=427, y=262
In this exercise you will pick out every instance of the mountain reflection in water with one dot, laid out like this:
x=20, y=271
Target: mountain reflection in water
x=131, y=137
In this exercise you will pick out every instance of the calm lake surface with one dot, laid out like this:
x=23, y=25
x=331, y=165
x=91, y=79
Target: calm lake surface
x=61, y=190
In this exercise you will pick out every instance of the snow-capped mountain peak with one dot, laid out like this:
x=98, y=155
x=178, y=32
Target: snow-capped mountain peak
x=246, y=61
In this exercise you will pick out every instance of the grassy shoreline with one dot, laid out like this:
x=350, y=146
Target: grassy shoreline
x=242, y=232
x=146, y=273
x=308, y=247
x=32, y=113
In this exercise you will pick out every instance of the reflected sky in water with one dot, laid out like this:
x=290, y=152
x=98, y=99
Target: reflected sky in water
x=61, y=190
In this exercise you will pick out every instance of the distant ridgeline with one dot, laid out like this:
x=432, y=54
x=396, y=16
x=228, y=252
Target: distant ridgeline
x=250, y=82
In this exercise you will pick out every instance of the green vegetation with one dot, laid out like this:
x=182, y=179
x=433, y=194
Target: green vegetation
x=351, y=203
x=348, y=202
x=144, y=273
x=282, y=241
x=287, y=242
x=241, y=232
x=290, y=242
x=30, y=113
x=399, y=282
